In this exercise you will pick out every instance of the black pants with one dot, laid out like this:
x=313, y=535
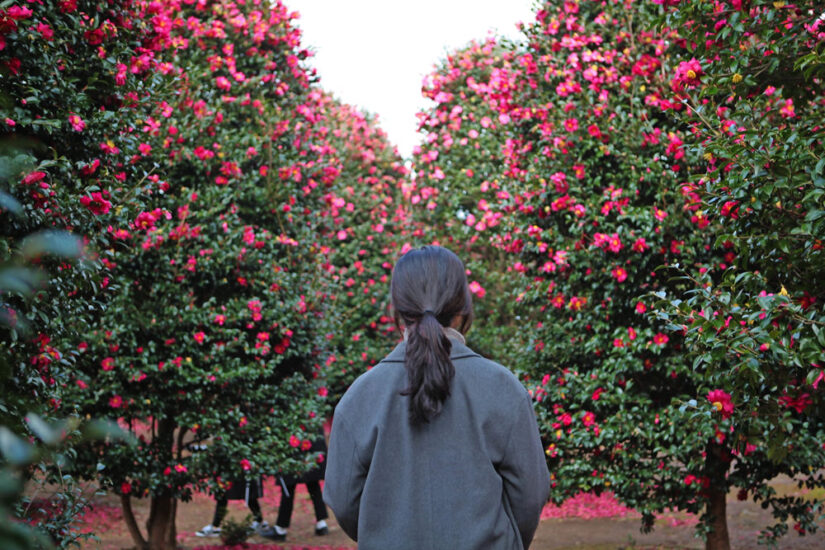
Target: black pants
x=220, y=511
x=288, y=499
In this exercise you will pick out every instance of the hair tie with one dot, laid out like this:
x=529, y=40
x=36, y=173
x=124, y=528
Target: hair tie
x=426, y=311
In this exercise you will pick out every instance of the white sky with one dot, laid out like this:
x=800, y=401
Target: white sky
x=373, y=54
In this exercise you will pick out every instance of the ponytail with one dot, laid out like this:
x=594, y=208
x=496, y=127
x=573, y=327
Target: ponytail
x=429, y=291
x=429, y=368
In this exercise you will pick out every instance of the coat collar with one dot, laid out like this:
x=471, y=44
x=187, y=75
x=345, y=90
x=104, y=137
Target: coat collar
x=458, y=351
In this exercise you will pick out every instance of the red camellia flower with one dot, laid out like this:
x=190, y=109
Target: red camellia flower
x=660, y=339
x=108, y=363
x=96, y=203
x=116, y=402
x=294, y=441
x=721, y=402
x=245, y=465
x=125, y=488
x=32, y=177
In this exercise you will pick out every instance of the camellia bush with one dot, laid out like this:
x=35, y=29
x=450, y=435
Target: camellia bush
x=751, y=81
x=566, y=171
x=206, y=347
x=60, y=100
x=215, y=187
x=364, y=230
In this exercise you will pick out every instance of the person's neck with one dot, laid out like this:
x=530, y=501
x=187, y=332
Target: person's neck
x=449, y=332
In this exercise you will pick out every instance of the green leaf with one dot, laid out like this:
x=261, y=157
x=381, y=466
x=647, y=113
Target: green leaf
x=59, y=243
x=21, y=280
x=11, y=204
x=14, y=449
x=106, y=429
x=46, y=433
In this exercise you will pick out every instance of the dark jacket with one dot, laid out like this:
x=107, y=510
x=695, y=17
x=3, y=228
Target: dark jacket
x=474, y=477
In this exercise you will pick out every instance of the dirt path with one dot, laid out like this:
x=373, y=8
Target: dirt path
x=674, y=531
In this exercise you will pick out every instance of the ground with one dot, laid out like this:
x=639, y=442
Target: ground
x=585, y=523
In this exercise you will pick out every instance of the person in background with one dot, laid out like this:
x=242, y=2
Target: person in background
x=312, y=480
x=436, y=447
x=249, y=491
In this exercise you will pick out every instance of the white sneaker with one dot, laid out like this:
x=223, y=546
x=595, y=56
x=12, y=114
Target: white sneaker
x=209, y=531
x=260, y=527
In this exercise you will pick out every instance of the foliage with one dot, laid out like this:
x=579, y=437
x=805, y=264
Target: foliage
x=235, y=532
x=188, y=144
x=757, y=329
x=563, y=169
x=365, y=229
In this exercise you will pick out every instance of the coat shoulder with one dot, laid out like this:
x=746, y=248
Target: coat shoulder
x=482, y=370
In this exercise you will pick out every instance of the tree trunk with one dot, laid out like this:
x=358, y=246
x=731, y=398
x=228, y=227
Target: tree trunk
x=160, y=526
x=717, y=510
x=717, y=464
x=131, y=524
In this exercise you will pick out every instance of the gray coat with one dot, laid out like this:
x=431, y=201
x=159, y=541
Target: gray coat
x=474, y=477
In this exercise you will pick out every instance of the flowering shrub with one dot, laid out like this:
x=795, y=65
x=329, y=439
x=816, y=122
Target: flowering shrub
x=362, y=235
x=563, y=169
x=754, y=324
x=60, y=101
x=217, y=186
x=205, y=347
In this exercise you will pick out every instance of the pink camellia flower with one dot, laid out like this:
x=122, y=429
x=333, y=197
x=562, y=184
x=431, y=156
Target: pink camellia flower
x=477, y=289
x=306, y=445
x=721, y=402
x=245, y=465
x=120, y=76
x=181, y=469
x=597, y=393
x=294, y=441
x=167, y=471
x=660, y=339
x=199, y=337
x=687, y=75
x=77, y=123
x=220, y=319
x=787, y=109
x=81, y=384
x=96, y=203
x=45, y=31
x=116, y=402
x=619, y=273
x=223, y=83
x=108, y=363
x=640, y=307
x=145, y=220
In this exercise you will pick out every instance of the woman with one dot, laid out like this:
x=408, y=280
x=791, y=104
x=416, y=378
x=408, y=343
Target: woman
x=435, y=447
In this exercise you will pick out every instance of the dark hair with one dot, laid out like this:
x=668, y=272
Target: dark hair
x=428, y=290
